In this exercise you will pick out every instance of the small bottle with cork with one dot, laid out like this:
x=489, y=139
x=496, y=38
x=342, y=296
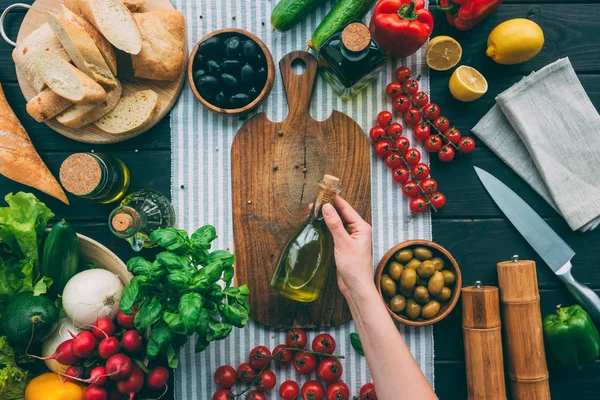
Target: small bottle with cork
x=350, y=60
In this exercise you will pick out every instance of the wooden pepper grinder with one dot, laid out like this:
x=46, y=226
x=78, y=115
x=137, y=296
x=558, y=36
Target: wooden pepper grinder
x=522, y=320
x=483, y=343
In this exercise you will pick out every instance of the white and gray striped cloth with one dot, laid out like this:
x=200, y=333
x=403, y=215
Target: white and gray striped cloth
x=201, y=186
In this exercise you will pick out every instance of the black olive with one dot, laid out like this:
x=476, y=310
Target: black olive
x=198, y=73
x=207, y=86
x=239, y=100
x=213, y=67
x=220, y=100
x=210, y=47
x=233, y=47
x=229, y=80
x=232, y=67
x=251, y=50
x=252, y=93
x=199, y=60
x=261, y=76
x=247, y=74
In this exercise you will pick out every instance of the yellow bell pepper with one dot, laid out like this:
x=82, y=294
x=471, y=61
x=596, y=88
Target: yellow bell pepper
x=49, y=386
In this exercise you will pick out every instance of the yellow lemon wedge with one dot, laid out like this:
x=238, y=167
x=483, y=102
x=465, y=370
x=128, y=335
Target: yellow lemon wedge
x=467, y=84
x=443, y=53
x=515, y=41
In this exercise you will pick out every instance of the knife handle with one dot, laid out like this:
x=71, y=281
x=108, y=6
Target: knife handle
x=585, y=296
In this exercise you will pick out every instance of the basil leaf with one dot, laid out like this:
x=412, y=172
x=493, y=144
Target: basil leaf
x=243, y=294
x=203, y=321
x=212, y=271
x=228, y=273
x=148, y=313
x=356, y=343
x=215, y=292
x=202, y=238
x=221, y=255
x=200, y=283
x=139, y=266
x=174, y=322
x=179, y=280
x=190, y=307
x=172, y=356
x=201, y=344
x=160, y=336
x=171, y=239
x=172, y=262
x=231, y=291
x=218, y=330
x=236, y=315
x=130, y=296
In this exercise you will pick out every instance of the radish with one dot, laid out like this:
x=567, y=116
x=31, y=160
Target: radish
x=103, y=327
x=133, y=384
x=63, y=354
x=98, y=376
x=74, y=371
x=84, y=344
x=62, y=333
x=157, y=378
x=126, y=321
x=119, y=367
x=132, y=342
x=95, y=393
x=108, y=347
x=113, y=394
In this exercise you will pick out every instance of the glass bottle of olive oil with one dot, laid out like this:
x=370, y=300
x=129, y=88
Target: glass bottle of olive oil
x=307, y=257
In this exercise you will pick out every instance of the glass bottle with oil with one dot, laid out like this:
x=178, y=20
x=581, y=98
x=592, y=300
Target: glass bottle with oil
x=140, y=214
x=99, y=177
x=307, y=257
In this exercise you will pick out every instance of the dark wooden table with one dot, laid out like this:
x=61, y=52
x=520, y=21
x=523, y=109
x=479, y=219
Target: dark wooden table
x=470, y=225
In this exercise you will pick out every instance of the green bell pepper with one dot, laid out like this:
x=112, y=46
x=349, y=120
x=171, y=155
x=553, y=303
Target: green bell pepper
x=571, y=337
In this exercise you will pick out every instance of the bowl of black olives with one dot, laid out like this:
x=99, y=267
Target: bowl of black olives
x=231, y=71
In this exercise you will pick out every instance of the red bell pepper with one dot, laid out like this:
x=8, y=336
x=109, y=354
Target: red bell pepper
x=465, y=14
x=401, y=27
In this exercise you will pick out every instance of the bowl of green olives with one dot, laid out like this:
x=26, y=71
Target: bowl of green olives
x=419, y=282
x=230, y=71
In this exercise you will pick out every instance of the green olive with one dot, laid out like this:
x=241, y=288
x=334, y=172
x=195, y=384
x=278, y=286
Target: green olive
x=404, y=255
x=421, y=294
x=413, y=264
x=398, y=303
x=438, y=263
x=408, y=278
x=413, y=309
x=444, y=295
x=430, y=309
x=406, y=292
x=449, y=277
x=395, y=270
x=436, y=283
x=422, y=253
x=426, y=269
x=388, y=286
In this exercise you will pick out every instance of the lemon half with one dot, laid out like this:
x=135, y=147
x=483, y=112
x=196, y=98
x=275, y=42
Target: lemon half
x=443, y=53
x=467, y=84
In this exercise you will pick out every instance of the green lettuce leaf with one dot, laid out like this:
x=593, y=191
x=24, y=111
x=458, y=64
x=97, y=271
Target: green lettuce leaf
x=13, y=379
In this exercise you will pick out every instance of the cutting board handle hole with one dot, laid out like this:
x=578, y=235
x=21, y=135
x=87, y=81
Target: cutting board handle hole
x=298, y=66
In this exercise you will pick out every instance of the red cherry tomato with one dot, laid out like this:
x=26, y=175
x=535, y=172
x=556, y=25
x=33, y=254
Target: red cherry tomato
x=441, y=123
x=256, y=395
x=428, y=185
x=329, y=370
x=394, y=130
x=323, y=343
x=223, y=394
x=412, y=116
x=410, y=189
x=446, y=153
x=289, y=390
x=281, y=356
x=411, y=86
x=225, y=377
x=420, y=99
x=401, y=175
x=382, y=148
x=367, y=392
x=422, y=131
x=438, y=200
x=260, y=357
x=401, y=103
x=384, y=118
x=338, y=391
x=453, y=135
x=245, y=373
x=412, y=156
x=313, y=390
x=305, y=363
x=433, y=143
x=393, y=89
x=466, y=145
x=420, y=171
x=431, y=111
x=402, y=74
x=402, y=143
x=392, y=161
x=377, y=133
x=266, y=381
x=418, y=205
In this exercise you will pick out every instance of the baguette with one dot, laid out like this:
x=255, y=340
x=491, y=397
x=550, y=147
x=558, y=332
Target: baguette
x=132, y=112
x=46, y=105
x=161, y=57
x=115, y=22
x=19, y=160
x=80, y=47
x=83, y=114
x=132, y=5
x=67, y=81
x=23, y=55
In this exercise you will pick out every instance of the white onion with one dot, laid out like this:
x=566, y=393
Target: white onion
x=61, y=333
x=90, y=295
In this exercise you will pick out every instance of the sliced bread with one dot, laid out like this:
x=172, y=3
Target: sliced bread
x=115, y=22
x=132, y=5
x=132, y=112
x=80, y=115
x=67, y=81
x=46, y=105
x=80, y=47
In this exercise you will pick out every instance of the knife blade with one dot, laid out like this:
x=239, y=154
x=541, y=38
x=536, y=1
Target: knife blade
x=555, y=252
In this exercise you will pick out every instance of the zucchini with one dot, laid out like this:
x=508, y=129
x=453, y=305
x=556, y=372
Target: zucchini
x=61, y=256
x=29, y=318
x=342, y=13
x=289, y=12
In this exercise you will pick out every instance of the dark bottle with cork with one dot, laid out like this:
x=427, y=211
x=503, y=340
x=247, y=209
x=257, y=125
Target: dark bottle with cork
x=140, y=214
x=308, y=255
x=350, y=60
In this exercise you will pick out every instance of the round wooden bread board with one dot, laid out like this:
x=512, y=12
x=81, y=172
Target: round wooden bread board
x=168, y=91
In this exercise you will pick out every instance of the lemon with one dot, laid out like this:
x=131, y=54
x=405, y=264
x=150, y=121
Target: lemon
x=467, y=84
x=515, y=41
x=443, y=53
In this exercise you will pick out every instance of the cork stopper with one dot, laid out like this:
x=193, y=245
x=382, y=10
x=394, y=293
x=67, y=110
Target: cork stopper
x=121, y=222
x=331, y=182
x=330, y=186
x=80, y=174
x=356, y=37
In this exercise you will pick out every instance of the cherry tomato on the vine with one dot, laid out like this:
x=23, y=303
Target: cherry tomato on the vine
x=313, y=390
x=438, y=200
x=401, y=103
x=428, y=185
x=466, y=145
x=446, y=153
x=394, y=160
x=289, y=390
x=245, y=373
x=410, y=189
x=432, y=111
x=412, y=116
x=433, y=143
x=367, y=392
x=377, y=133
x=260, y=356
x=402, y=74
x=338, y=391
x=418, y=205
x=401, y=175
x=453, y=135
x=382, y=148
x=384, y=118
x=420, y=171
x=420, y=99
x=442, y=124
x=305, y=363
x=393, y=89
x=402, y=143
x=394, y=130
x=223, y=394
x=266, y=381
x=411, y=86
x=329, y=370
x=256, y=395
x=422, y=131
x=225, y=376
x=412, y=156
x=281, y=356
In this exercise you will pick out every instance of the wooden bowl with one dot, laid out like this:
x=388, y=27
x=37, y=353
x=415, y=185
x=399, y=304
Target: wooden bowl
x=448, y=307
x=93, y=252
x=261, y=96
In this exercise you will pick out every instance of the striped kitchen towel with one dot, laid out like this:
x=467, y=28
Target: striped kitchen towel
x=201, y=185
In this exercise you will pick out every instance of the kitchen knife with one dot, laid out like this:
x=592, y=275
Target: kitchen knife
x=554, y=251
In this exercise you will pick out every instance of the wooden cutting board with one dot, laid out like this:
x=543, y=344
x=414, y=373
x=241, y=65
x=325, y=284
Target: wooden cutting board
x=275, y=169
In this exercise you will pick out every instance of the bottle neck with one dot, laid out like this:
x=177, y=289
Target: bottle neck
x=126, y=221
x=323, y=196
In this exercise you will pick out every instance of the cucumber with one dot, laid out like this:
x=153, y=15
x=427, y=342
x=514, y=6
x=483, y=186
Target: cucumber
x=61, y=257
x=288, y=12
x=29, y=318
x=342, y=13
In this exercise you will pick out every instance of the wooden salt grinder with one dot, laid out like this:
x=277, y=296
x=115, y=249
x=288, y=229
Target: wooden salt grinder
x=483, y=343
x=522, y=320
